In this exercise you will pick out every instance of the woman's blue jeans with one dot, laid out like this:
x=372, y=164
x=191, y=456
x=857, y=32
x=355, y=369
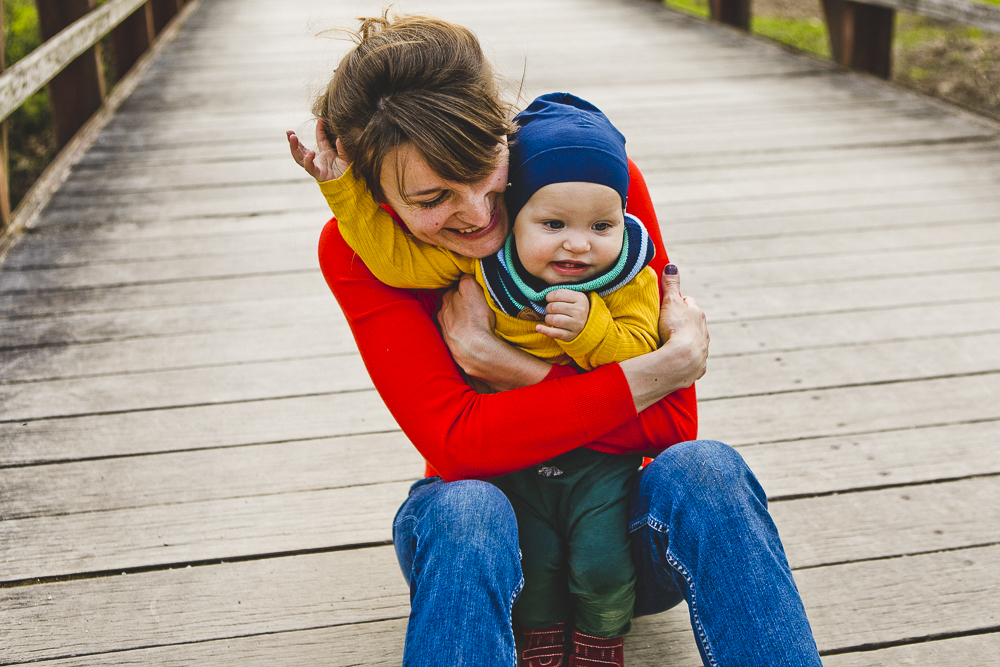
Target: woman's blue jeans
x=700, y=532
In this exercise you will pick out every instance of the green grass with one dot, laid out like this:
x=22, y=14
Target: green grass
x=696, y=7
x=806, y=36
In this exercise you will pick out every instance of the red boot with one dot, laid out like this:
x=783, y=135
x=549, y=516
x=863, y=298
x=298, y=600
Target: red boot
x=545, y=647
x=596, y=651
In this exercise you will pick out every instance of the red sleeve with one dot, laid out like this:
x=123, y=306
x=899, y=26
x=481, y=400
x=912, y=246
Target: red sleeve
x=463, y=434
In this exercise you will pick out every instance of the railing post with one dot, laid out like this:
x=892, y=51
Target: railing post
x=163, y=11
x=78, y=91
x=861, y=36
x=132, y=38
x=732, y=12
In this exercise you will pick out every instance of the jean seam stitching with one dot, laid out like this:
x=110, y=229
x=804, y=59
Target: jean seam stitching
x=648, y=520
x=510, y=615
x=702, y=635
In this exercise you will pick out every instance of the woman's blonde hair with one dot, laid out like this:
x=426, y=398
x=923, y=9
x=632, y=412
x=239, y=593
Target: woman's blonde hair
x=422, y=80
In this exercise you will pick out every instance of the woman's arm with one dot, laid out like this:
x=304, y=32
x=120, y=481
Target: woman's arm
x=665, y=417
x=461, y=433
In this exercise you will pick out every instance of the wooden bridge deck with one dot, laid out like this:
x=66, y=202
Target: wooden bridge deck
x=196, y=469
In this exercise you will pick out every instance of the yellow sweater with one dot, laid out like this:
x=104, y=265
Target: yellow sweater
x=620, y=326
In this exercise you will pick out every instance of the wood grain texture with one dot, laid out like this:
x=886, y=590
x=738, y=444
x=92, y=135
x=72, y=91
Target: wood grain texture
x=848, y=605
x=178, y=385
x=978, y=650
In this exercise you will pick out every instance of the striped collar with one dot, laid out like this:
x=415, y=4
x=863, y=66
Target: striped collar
x=514, y=296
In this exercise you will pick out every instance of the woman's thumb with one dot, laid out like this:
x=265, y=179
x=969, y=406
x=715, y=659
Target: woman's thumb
x=670, y=282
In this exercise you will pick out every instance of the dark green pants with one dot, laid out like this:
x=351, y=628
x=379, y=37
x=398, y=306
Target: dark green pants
x=572, y=523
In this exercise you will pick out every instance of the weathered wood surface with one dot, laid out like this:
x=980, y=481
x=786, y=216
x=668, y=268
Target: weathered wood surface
x=179, y=388
x=258, y=604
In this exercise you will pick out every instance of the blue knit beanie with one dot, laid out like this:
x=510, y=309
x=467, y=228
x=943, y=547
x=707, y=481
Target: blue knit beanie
x=561, y=138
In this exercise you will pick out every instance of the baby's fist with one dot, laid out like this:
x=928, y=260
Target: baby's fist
x=565, y=315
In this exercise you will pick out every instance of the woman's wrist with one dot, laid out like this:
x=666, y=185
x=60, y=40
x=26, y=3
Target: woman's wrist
x=503, y=366
x=651, y=378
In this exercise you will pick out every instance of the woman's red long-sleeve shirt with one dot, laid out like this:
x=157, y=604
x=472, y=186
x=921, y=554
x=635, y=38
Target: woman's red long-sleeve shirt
x=462, y=434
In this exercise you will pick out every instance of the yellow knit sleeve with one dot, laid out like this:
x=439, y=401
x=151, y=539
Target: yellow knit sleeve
x=395, y=257
x=622, y=325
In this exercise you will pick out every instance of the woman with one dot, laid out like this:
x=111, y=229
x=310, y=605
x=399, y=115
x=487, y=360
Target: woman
x=417, y=109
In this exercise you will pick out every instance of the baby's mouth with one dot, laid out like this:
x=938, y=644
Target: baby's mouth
x=569, y=268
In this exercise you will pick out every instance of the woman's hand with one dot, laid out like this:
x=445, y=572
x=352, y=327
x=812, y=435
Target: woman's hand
x=467, y=323
x=683, y=355
x=329, y=163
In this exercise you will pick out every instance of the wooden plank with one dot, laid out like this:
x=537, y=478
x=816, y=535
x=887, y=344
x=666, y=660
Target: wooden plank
x=860, y=364
x=819, y=531
x=889, y=522
x=233, y=600
x=981, y=650
x=156, y=390
x=204, y=475
x=157, y=322
x=373, y=643
x=850, y=411
x=153, y=270
x=71, y=303
x=248, y=199
x=872, y=460
x=848, y=605
x=871, y=304
x=51, y=250
x=163, y=352
x=204, y=427
x=216, y=530
x=805, y=242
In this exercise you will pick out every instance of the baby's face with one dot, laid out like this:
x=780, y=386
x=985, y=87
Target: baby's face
x=568, y=232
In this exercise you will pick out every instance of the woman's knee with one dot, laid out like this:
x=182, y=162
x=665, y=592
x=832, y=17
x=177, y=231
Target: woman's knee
x=707, y=472
x=469, y=516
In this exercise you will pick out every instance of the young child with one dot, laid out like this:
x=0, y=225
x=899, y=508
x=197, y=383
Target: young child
x=570, y=285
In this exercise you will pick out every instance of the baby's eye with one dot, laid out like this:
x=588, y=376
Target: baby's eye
x=602, y=226
x=431, y=203
x=554, y=224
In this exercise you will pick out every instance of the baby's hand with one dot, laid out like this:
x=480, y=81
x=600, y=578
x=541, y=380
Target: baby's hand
x=566, y=314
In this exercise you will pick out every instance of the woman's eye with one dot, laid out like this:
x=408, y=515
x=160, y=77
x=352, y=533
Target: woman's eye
x=431, y=203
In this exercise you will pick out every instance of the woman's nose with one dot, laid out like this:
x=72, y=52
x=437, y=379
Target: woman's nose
x=476, y=206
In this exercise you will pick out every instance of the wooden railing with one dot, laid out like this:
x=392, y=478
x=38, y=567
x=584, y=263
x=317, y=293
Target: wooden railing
x=70, y=62
x=861, y=31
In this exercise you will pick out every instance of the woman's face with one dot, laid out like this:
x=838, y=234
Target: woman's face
x=470, y=220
